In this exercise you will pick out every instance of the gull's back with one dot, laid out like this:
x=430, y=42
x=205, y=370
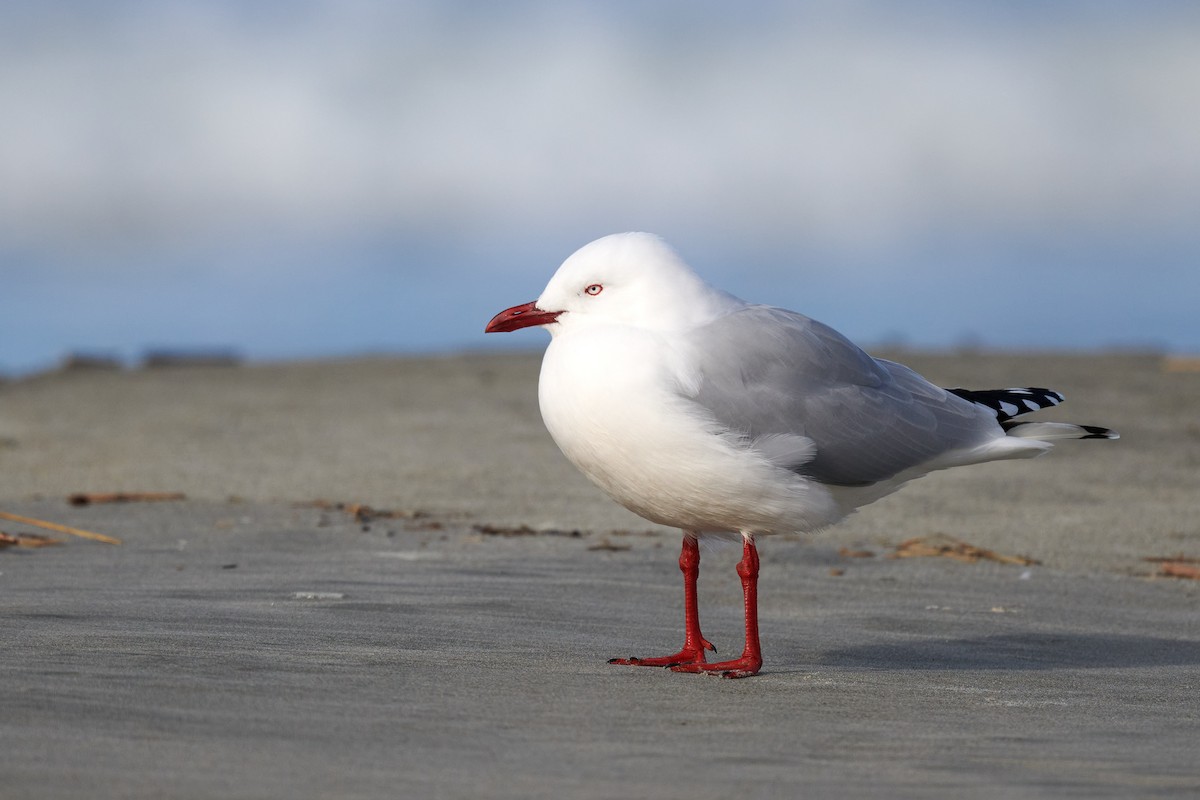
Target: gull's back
x=766, y=372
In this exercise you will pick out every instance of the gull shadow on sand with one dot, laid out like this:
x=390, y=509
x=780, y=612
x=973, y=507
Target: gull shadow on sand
x=1031, y=651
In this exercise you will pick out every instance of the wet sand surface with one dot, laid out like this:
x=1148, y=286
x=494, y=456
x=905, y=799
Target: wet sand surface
x=245, y=642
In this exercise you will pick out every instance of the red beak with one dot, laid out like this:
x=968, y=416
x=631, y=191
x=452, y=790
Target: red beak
x=522, y=316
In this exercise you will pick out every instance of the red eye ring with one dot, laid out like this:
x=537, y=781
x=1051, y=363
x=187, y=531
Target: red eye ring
x=594, y=289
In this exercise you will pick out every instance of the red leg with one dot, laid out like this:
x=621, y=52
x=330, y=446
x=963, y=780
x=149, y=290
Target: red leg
x=694, y=643
x=751, y=659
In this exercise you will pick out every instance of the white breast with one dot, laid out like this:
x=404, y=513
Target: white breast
x=611, y=398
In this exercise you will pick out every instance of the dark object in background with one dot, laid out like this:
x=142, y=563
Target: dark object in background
x=216, y=357
x=81, y=360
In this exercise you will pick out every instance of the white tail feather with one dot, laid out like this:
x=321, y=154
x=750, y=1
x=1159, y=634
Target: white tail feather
x=1050, y=431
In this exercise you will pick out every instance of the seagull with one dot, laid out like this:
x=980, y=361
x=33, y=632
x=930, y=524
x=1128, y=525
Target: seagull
x=700, y=411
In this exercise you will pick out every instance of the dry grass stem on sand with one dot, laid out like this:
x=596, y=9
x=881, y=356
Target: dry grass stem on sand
x=54, y=526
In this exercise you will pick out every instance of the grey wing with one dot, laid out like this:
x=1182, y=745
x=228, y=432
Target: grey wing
x=766, y=372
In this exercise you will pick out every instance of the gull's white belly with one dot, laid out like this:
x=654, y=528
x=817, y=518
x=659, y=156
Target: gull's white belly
x=611, y=400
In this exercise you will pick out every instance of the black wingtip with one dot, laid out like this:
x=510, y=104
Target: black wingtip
x=1009, y=403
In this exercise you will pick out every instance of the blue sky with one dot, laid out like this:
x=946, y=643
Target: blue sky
x=329, y=178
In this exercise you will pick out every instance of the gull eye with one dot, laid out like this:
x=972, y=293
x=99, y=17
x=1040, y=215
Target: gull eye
x=594, y=289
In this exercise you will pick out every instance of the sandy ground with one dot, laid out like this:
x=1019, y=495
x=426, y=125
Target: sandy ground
x=240, y=645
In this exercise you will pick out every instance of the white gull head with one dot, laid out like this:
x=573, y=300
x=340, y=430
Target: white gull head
x=632, y=279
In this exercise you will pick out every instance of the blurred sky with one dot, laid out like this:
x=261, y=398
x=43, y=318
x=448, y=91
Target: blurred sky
x=299, y=179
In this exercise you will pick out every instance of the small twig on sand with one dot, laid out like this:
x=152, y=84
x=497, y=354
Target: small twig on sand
x=1177, y=566
x=54, y=526
x=1175, y=569
x=362, y=512
x=26, y=540
x=940, y=545
x=90, y=498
